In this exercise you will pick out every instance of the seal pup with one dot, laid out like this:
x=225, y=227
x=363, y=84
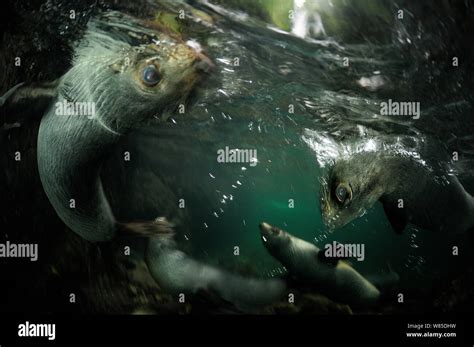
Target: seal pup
x=177, y=273
x=304, y=261
x=410, y=190
x=127, y=85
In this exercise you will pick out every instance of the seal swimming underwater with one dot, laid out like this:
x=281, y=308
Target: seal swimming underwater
x=334, y=278
x=410, y=190
x=127, y=85
x=175, y=272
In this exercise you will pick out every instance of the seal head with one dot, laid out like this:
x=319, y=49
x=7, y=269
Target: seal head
x=348, y=191
x=135, y=83
x=410, y=189
x=276, y=241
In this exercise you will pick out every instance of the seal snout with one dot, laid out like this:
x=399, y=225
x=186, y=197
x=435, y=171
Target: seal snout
x=268, y=230
x=203, y=64
x=264, y=231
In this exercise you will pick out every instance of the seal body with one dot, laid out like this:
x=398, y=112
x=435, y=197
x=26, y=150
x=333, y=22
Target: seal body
x=69, y=173
x=337, y=280
x=410, y=190
x=177, y=273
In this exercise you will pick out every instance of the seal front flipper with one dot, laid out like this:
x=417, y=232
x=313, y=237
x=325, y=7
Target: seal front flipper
x=334, y=258
x=146, y=228
x=9, y=93
x=329, y=260
x=28, y=101
x=396, y=216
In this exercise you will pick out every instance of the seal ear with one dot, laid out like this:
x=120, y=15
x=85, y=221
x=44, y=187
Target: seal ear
x=396, y=216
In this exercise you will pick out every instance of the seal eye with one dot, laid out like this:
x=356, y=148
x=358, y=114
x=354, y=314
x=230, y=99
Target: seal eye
x=343, y=193
x=151, y=77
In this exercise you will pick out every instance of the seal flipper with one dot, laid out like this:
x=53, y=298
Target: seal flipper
x=9, y=93
x=29, y=101
x=328, y=260
x=396, y=217
x=146, y=228
x=334, y=259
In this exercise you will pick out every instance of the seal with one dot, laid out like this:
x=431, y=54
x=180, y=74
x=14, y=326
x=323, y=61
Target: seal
x=332, y=277
x=126, y=85
x=409, y=188
x=177, y=273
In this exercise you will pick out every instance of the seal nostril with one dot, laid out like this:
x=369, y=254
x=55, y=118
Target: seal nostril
x=202, y=66
x=203, y=63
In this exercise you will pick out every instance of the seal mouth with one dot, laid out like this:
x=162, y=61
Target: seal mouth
x=331, y=222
